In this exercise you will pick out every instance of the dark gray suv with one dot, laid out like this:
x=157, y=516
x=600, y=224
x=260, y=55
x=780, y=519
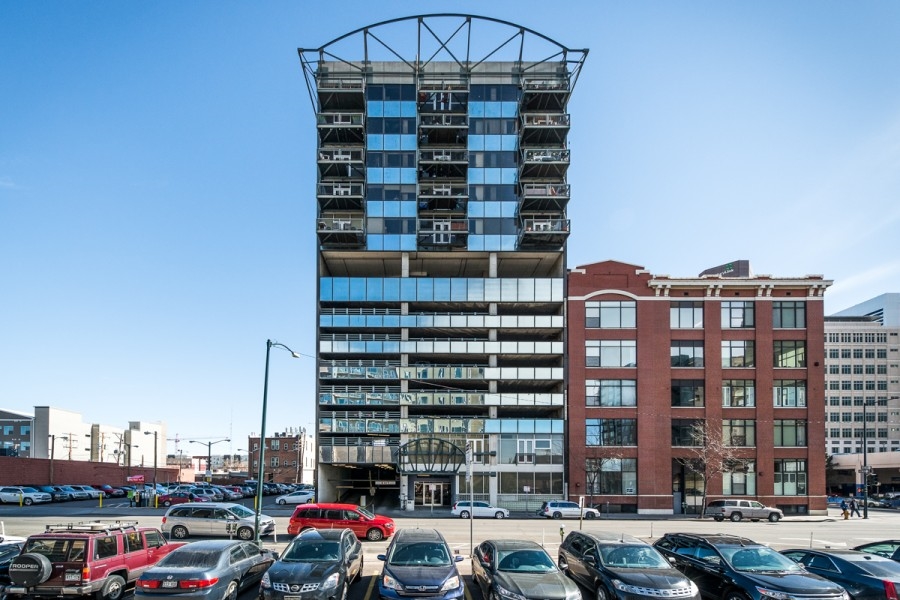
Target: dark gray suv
x=318, y=564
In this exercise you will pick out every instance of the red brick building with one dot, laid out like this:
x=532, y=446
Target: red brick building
x=651, y=358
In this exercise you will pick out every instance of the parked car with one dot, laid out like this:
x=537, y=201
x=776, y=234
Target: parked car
x=8, y=551
x=364, y=524
x=466, y=509
x=419, y=562
x=98, y=559
x=863, y=575
x=319, y=563
x=92, y=492
x=735, y=510
x=75, y=494
x=563, y=509
x=300, y=497
x=179, y=498
x=621, y=567
x=24, y=495
x=110, y=491
x=206, y=569
x=730, y=567
x=56, y=494
x=519, y=569
x=886, y=548
x=214, y=518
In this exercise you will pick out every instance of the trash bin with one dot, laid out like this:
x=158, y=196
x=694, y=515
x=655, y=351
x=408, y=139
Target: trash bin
x=410, y=505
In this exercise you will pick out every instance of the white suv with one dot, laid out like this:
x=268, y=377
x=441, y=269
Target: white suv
x=479, y=509
x=563, y=509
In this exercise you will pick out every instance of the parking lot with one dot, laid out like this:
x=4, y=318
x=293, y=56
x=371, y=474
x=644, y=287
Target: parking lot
x=793, y=532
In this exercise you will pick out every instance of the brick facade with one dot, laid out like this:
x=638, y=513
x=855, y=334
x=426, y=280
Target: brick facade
x=37, y=471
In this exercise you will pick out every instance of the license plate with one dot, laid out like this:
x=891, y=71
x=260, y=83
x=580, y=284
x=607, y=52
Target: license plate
x=73, y=576
x=291, y=598
x=169, y=584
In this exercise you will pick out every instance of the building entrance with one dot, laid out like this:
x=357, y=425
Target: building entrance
x=432, y=493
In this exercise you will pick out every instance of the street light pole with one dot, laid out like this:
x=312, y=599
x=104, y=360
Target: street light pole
x=155, y=455
x=209, y=454
x=865, y=468
x=262, y=436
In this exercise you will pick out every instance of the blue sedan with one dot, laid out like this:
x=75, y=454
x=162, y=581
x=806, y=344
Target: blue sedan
x=218, y=569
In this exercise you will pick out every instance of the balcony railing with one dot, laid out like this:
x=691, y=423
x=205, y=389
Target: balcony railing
x=546, y=190
x=443, y=156
x=332, y=84
x=342, y=155
x=340, y=223
x=545, y=120
x=340, y=119
x=546, y=155
x=340, y=189
x=454, y=121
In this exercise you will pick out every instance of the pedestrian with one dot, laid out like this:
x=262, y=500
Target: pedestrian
x=845, y=509
x=854, y=507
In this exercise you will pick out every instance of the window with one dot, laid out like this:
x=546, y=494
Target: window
x=738, y=353
x=611, y=353
x=790, y=477
x=790, y=432
x=611, y=432
x=789, y=393
x=738, y=392
x=737, y=314
x=790, y=354
x=789, y=315
x=740, y=479
x=274, y=461
x=686, y=353
x=683, y=432
x=687, y=392
x=611, y=475
x=610, y=315
x=739, y=432
x=611, y=392
x=686, y=315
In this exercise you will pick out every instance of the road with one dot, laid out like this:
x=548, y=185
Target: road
x=792, y=532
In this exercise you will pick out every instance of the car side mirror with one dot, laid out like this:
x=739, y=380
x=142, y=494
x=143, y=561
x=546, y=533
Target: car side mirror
x=671, y=559
x=381, y=557
x=458, y=558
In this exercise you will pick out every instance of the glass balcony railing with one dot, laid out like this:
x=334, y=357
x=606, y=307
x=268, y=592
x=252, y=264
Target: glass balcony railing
x=340, y=119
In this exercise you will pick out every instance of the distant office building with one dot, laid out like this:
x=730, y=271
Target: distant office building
x=15, y=433
x=862, y=346
x=654, y=358
x=442, y=223
x=289, y=456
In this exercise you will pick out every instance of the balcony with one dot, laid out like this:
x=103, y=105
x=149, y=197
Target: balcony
x=543, y=129
x=544, y=197
x=545, y=93
x=443, y=129
x=543, y=233
x=544, y=163
x=340, y=195
x=341, y=128
x=341, y=93
x=443, y=197
x=341, y=231
x=443, y=233
x=344, y=162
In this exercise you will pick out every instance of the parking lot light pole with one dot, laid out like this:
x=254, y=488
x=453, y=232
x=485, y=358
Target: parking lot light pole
x=209, y=454
x=262, y=437
x=155, y=435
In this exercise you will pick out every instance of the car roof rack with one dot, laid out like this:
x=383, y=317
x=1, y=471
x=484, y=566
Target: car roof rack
x=89, y=527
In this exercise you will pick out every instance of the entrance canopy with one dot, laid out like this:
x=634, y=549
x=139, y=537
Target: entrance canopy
x=430, y=455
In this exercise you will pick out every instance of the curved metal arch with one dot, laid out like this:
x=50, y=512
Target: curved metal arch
x=429, y=455
x=468, y=17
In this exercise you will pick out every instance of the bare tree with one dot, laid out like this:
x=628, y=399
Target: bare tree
x=711, y=456
x=594, y=466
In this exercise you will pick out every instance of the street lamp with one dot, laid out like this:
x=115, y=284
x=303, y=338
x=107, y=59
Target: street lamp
x=155, y=435
x=865, y=468
x=262, y=436
x=209, y=455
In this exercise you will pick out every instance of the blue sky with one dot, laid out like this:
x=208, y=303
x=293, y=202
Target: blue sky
x=157, y=179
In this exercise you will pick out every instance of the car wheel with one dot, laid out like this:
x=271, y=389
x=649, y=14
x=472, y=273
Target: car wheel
x=464, y=514
x=245, y=533
x=179, y=532
x=281, y=501
x=232, y=591
x=557, y=515
x=736, y=517
x=563, y=565
x=167, y=503
x=601, y=594
x=719, y=518
x=499, y=515
x=374, y=535
x=590, y=515
x=734, y=595
x=362, y=567
x=27, y=501
x=773, y=518
x=112, y=589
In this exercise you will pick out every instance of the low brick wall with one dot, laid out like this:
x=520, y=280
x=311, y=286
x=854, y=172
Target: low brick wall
x=40, y=471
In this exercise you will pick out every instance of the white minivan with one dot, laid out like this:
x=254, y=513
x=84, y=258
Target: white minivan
x=214, y=518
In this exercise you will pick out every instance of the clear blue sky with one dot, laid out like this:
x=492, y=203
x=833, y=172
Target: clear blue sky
x=157, y=178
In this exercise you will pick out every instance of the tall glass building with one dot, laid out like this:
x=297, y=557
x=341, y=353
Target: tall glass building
x=442, y=192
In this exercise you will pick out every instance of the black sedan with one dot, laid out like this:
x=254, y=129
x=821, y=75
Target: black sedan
x=864, y=576
x=521, y=570
x=8, y=551
x=318, y=564
x=886, y=548
x=218, y=569
x=620, y=566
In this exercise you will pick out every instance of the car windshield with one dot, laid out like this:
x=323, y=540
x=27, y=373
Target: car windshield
x=428, y=554
x=758, y=558
x=632, y=557
x=885, y=568
x=525, y=561
x=241, y=511
x=366, y=513
x=311, y=551
x=7, y=552
x=201, y=559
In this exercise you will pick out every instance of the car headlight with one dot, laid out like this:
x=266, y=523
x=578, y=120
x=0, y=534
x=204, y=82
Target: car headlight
x=453, y=583
x=390, y=583
x=331, y=582
x=775, y=594
x=576, y=595
x=624, y=587
x=695, y=591
x=265, y=582
x=510, y=595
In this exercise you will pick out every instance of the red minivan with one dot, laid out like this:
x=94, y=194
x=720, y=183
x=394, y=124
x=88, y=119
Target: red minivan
x=364, y=524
